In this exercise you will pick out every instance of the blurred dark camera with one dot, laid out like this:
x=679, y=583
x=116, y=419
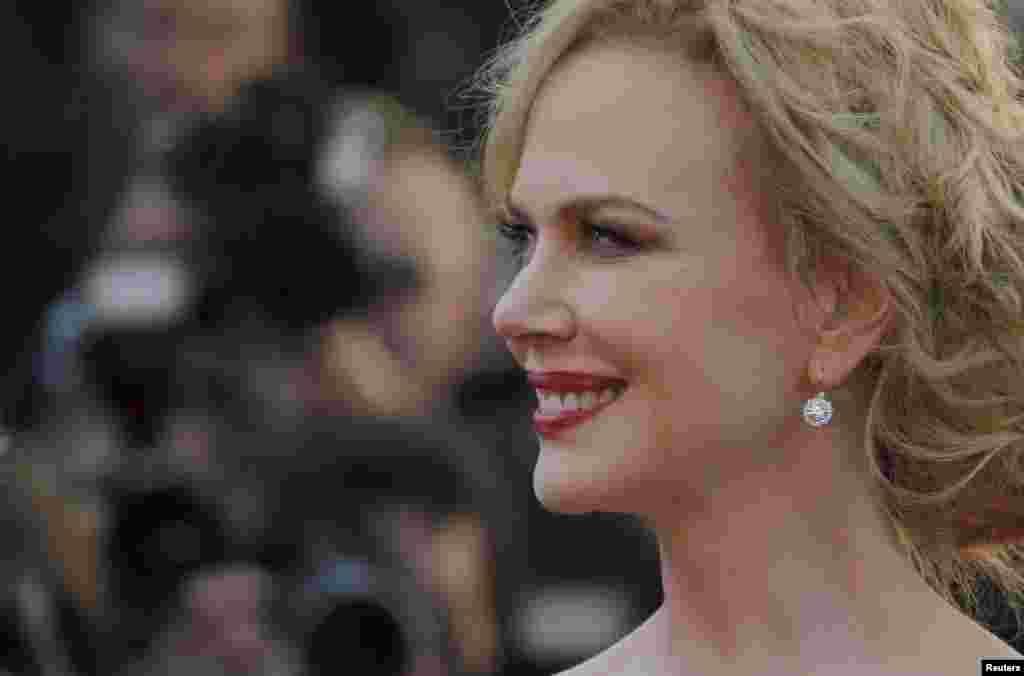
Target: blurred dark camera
x=267, y=243
x=351, y=604
x=352, y=619
x=338, y=531
x=333, y=496
x=158, y=537
x=275, y=234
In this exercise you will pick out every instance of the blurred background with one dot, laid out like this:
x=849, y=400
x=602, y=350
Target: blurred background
x=253, y=416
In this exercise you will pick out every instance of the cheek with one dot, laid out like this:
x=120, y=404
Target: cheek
x=761, y=311
x=755, y=354
x=753, y=276
x=663, y=335
x=713, y=346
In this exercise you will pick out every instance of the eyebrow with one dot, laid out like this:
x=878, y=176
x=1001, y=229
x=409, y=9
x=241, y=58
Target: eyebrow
x=588, y=203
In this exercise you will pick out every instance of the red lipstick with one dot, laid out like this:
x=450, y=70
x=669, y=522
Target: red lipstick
x=553, y=426
x=566, y=381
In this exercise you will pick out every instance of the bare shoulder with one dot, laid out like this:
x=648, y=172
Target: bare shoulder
x=952, y=647
x=608, y=663
x=635, y=654
x=958, y=654
x=960, y=649
x=614, y=660
x=629, y=655
x=994, y=647
x=988, y=644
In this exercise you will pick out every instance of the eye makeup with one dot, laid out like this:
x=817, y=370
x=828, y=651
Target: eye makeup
x=587, y=205
x=604, y=241
x=606, y=226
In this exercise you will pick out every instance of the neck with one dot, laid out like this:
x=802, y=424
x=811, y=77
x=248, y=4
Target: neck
x=796, y=564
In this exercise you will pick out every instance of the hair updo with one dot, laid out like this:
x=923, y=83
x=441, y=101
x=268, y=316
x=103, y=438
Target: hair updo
x=901, y=129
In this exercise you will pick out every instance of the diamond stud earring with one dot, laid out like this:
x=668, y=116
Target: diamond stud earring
x=817, y=411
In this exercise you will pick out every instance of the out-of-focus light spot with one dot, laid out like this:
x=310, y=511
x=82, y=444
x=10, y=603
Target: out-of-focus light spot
x=572, y=622
x=149, y=211
x=341, y=576
x=347, y=156
x=138, y=289
x=67, y=319
x=34, y=600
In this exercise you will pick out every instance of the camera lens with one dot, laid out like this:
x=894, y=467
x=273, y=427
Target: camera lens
x=358, y=636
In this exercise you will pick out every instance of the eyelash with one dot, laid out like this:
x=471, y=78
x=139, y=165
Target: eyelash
x=518, y=236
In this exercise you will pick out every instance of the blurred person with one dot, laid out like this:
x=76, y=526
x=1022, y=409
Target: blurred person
x=177, y=516
x=221, y=629
x=193, y=55
x=403, y=487
x=47, y=598
x=681, y=369
x=260, y=173
x=182, y=270
x=120, y=530
x=413, y=201
x=407, y=358
x=247, y=172
x=116, y=353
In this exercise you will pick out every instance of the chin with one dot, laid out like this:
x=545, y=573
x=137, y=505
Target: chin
x=564, y=487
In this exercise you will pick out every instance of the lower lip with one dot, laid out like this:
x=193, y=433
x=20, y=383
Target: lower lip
x=552, y=427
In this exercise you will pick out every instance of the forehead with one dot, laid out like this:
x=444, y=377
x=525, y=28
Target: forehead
x=632, y=119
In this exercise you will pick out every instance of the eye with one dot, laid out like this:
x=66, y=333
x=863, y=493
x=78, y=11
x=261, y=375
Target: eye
x=605, y=241
x=608, y=238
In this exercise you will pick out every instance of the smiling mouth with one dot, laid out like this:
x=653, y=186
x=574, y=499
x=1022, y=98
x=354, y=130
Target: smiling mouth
x=554, y=405
x=550, y=424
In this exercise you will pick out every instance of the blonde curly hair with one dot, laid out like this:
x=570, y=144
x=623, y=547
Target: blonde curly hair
x=901, y=126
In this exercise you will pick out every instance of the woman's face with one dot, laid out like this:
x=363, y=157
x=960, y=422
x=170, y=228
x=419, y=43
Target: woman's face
x=694, y=312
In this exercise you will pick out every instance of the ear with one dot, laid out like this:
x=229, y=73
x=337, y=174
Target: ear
x=854, y=312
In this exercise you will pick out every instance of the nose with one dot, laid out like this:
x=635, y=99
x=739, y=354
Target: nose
x=535, y=304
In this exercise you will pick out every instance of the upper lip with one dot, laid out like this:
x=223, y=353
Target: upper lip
x=567, y=381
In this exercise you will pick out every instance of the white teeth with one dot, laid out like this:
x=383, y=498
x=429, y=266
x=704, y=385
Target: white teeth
x=553, y=403
x=549, y=402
